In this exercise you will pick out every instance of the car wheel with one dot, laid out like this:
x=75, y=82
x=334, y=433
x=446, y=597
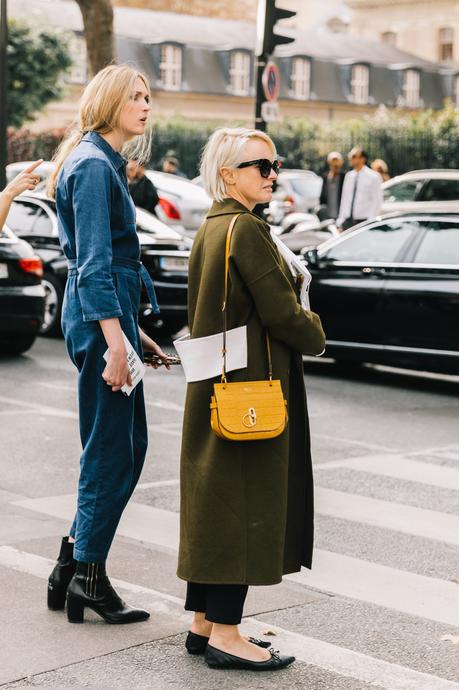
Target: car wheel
x=54, y=295
x=17, y=344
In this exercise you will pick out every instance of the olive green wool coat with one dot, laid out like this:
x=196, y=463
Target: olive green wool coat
x=246, y=507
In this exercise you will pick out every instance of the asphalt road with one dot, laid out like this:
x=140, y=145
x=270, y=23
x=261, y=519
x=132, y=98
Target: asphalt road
x=380, y=608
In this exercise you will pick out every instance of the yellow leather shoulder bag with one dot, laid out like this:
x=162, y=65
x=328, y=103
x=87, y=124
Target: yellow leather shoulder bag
x=246, y=410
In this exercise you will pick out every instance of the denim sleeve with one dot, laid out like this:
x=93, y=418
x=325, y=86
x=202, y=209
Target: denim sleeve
x=89, y=186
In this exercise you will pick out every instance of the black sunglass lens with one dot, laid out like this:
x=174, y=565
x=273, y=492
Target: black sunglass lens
x=265, y=167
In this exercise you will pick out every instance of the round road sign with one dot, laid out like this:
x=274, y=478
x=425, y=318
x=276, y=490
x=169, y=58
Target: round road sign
x=271, y=81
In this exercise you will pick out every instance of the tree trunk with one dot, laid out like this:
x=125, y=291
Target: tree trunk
x=98, y=30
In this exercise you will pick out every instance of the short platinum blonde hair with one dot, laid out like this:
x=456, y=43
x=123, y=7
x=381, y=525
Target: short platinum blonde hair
x=225, y=149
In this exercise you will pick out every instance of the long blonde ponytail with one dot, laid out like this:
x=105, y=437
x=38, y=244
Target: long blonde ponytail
x=100, y=108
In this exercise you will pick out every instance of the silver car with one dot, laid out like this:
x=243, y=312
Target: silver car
x=422, y=190
x=182, y=202
x=298, y=189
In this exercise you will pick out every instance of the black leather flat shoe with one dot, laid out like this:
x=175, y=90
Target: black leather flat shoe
x=215, y=658
x=91, y=588
x=196, y=644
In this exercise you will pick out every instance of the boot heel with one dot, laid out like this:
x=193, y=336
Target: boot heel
x=75, y=610
x=56, y=599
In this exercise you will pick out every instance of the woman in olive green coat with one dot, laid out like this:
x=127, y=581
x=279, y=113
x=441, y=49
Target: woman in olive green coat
x=246, y=507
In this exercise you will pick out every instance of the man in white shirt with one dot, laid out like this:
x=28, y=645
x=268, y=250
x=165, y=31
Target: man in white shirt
x=362, y=195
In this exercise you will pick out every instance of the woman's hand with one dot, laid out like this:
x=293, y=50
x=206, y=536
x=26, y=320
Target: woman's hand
x=116, y=373
x=149, y=344
x=26, y=180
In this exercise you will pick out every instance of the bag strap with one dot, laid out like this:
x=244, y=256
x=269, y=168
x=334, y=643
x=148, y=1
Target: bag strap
x=224, y=305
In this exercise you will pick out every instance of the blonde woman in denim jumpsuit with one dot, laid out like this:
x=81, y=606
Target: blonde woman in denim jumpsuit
x=97, y=231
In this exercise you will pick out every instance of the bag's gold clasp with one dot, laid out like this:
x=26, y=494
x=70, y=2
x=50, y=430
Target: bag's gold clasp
x=250, y=418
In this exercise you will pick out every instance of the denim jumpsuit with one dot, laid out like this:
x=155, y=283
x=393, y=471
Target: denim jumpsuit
x=97, y=231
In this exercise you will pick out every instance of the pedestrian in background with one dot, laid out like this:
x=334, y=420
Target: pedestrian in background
x=332, y=187
x=362, y=192
x=142, y=189
x=97, y=231
x=26, y=180
x=380, y=166
x=171, y=165
x=246, y=507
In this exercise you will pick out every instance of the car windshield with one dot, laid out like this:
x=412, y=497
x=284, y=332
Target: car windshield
x=402, y=191
x=380, y=243
x=440, y=245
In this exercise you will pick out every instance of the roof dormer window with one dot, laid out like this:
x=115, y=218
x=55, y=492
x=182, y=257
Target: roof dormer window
x=360, y=78
x=301, y=78
x=411, y=88
x=239, y=73
x=170, y=67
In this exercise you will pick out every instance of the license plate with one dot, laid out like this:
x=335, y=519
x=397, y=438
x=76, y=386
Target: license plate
x=174, y=263
x=3, y=271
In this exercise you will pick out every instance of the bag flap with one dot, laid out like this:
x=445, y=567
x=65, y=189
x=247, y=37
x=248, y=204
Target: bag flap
x=249, y=406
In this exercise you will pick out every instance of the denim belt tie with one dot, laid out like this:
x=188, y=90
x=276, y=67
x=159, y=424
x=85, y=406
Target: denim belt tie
x=134, y=265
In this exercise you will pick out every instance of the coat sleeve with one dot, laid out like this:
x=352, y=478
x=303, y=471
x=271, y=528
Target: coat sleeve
x=89, y=187
x=346, y=200
x=376, y=196
x=257, y=261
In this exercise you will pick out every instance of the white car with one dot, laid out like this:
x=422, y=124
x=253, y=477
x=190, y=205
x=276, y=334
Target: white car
x=182, y=204
x=298, y=189
x=181, y=201
x=422, y=190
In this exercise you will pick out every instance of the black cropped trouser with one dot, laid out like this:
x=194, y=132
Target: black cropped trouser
x=221, y=603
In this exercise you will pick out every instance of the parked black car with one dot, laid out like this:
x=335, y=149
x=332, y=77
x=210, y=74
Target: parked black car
x=387, y=291
x=22, y=296
x=164, y=252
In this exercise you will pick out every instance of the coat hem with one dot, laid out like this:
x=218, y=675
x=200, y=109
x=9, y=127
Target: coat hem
x=250, y=583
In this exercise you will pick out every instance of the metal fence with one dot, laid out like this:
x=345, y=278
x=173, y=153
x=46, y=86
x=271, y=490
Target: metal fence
x=305, y=150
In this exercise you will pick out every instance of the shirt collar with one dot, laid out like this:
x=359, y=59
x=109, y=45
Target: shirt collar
x=114, y=157
x=228, y=206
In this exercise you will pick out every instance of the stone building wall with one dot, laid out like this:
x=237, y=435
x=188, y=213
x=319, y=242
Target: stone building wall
x=236, y=9
x=415, y=24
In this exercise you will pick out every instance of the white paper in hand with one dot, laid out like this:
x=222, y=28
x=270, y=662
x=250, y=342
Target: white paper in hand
x=202, y=358
x=137, y=368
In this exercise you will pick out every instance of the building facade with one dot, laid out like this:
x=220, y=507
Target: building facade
x=424, y=28
x=203, y=68
x=236, y=9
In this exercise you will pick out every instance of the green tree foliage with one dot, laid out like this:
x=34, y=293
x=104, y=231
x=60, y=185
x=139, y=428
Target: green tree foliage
x=428, y=139
x=35, y=64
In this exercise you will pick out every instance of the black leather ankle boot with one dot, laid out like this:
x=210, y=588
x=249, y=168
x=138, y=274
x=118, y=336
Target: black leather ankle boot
x=60, y=578
x=90, y=587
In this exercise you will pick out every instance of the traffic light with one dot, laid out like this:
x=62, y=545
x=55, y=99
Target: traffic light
x=268, y=16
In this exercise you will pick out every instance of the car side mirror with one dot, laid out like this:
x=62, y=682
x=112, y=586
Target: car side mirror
x=310, y=256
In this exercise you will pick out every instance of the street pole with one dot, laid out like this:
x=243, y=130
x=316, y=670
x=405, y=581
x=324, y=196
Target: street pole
x=3, y=92
x=261, y=62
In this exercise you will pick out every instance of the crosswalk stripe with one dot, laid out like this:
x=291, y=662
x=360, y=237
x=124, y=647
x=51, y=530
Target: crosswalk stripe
x=345, y=662
x=395, y=516
x=412, y=594
x=68, y=414
x=399, y=467
x=324, y=655
x=37, y=407
x=154, y=485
